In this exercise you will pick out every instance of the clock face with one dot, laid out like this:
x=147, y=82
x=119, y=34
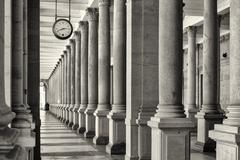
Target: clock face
x=62, y=29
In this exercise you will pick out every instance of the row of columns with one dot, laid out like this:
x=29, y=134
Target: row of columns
x=18, y=141
x=168, y=128
x=86, y=79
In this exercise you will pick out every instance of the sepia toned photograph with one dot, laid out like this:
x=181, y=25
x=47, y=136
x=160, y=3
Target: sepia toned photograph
x=119, y=79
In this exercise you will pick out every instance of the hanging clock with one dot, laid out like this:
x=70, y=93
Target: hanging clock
x=62, y=29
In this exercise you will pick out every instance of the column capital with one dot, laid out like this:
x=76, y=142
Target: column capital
x=62, y=56
x=68, y=47
x=65, y=52
x=92, y=14
x=77, y=35
x=83, y=25
x=103, y=3
x=71, y=41
x=60, y=60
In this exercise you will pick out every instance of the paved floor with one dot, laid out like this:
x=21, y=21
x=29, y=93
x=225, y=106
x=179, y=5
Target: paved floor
x=58, y=143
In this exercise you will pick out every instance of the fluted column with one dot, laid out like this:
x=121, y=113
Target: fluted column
x=210, y=112
x=92, y=15
x=68, y=87
x=8, y=135
x=101, y=123
x=77, y=79
x=117, y=115
x=169, y=124
x=149, y=64
x=72, y=81
x=227, y=135
x=191, y=82
x=22, y=119
x=65, y=87
x=84, y=75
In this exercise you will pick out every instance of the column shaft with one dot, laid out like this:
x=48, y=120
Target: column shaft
x=101, y=123
x=77, y=79
x=117, y=115
x=149, y=64
x=210, y=112
x=169, y=124
x=226, y=146
x=7, y=135
x=191, y=82
x=72, y=81
x=92, y=71
x=84, y=75
x=68, y=49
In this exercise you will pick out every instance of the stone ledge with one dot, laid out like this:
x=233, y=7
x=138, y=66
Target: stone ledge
x=157, y=122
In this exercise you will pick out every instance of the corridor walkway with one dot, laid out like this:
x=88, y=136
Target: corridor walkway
x=58, y=143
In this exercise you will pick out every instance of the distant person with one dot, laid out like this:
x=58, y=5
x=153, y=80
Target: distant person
x=46, y=106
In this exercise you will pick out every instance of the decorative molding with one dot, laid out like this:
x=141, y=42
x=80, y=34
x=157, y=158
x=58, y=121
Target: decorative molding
x=92, y=14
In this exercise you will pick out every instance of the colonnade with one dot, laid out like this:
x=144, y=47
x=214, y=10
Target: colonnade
x=17, y=142
x=146, y=119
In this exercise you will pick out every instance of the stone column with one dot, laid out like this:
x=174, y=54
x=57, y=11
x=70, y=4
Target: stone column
x=227, y=135
x=117, y=115
x=84, y=75
x=72, y=81
x=62, y=88
x=210, y=113
x=92, y=15
x=68, y=84
x=149, y=76
x=22, y=119
x=8, y=135
x=170, y=128
x=77, y=80
x=65, y=87
x=134, y=75
x=101, y=123
x=191, y=83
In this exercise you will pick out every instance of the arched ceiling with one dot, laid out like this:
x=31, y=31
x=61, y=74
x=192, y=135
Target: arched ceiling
x=51, y=48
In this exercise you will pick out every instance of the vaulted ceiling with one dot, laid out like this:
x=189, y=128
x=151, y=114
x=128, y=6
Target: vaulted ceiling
x=51, y=48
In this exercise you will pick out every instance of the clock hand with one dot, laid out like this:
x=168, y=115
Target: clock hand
x=61, y=29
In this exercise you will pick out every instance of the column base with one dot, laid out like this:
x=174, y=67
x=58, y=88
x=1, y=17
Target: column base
x=131, y=139
x=208, y=146
x=192, y=113
x=89, y=134
x=81, y=119
x=170, y=138
x=117, y=134
x=81, y=130
x=144, y=134
x=90, y=122
x=75, y=127
x=130, y=158
x=205, y=122
x=116, y=149
x=228, y=141
x=101, y=127
x=70, y=124
x=100, y=140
